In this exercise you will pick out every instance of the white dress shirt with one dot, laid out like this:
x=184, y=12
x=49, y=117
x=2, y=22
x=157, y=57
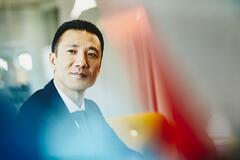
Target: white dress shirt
x=71, y=106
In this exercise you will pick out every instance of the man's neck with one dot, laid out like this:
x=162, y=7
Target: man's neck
x=75, y=96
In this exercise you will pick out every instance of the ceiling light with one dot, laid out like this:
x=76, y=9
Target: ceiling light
x=80, y=6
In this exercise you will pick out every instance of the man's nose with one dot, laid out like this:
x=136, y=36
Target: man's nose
x=81, y=61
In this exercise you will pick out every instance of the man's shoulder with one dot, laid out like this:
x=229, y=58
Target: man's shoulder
x=91, y=105
x=33, y=102
x=37, y=96
x=37, y=100
x=90, y=102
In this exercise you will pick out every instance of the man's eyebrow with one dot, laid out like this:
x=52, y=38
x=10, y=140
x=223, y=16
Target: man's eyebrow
x=72, y=45
x=93, y=48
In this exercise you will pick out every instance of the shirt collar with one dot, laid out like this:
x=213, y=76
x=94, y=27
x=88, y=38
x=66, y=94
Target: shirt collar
x=71, y=106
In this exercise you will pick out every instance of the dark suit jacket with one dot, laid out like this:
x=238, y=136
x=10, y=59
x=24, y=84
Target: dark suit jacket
x=7, y=126
x=49, y=131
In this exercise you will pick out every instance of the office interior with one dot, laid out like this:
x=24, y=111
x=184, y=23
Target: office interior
x=198, y=41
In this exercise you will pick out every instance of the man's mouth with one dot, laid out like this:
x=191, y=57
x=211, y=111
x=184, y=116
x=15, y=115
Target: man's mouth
x=83, y=75
x=80, y=75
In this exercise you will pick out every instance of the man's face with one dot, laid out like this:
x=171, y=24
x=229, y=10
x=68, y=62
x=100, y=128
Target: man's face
x=77, y=60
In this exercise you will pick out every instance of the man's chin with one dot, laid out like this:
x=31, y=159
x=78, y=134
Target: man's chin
x=77, y=87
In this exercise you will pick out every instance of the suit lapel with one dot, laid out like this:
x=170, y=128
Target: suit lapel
x=56, y=103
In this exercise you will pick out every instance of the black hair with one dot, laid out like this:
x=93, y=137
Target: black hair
x=79, y=25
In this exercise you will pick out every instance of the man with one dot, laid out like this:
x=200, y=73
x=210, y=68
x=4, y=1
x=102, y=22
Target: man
x=57, y=122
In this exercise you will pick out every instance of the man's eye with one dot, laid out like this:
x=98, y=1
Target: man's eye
x=72, y=51
x=92, y=55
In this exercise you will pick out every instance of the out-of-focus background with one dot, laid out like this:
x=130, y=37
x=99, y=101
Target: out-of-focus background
x=202, y=37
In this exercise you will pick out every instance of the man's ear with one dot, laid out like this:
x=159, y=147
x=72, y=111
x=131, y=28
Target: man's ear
x=52, y=59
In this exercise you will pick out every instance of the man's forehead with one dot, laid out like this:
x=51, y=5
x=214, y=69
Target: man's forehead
x=81, y=33
x=73, y=37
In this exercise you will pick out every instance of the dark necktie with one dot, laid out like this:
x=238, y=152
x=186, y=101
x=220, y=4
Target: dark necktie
x=80, y=120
